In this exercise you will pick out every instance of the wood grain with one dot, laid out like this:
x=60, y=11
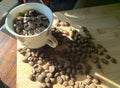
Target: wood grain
x=8, y=46
x=103, y=22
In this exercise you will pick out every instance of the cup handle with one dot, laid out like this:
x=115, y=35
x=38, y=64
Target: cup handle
x=52, y=42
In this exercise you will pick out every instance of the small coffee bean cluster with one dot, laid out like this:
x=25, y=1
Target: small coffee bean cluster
x=70, y=57
x=30, y=22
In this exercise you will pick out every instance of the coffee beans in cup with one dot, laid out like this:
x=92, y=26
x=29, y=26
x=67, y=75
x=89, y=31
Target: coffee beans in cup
x=30, y=22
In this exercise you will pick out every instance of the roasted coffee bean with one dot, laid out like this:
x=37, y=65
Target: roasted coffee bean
x=32, y=78
x=25, y=59
x=101, y=47
x=98, y=65
x=53, y=80
x=81, y=85
x=43, y=85
x=100, y=52
x=17, y=30
x=76, y=85
x=62, y=72
x=87, y=81
x=43, y=74
x=40, y=78
x=71, y=82
x=40, y=62
x=59, y=80
x=46, y=71
x=31, y=63
x=89, y=77
x=96, y=81
x=49, y=75
x=67, y=77
x=63, y=77
x=103, y=60
x=39, y=69
x=47, y=80
x=36, y=65
x=113, y=60
x=94, y=59
x=84, y=29
x=46, y=66
x=65, y=83
x=49, y=85
x=56, y=74
x=107, y=56
x=66, y=24
x=52, y=69
x=92, y=85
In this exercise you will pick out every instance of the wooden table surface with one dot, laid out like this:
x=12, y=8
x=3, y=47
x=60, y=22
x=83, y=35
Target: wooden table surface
x=8, y=47
x=104, y=24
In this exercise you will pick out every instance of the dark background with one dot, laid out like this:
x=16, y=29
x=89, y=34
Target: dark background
x=90, y=3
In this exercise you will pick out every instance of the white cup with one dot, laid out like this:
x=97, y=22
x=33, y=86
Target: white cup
x=37, y=40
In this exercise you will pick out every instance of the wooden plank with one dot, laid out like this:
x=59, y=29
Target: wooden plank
x=8, y=60
x=103, y=26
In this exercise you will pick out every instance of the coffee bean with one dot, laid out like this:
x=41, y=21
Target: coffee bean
x=40, y=62
x=87, y=81
x=94, y=59
x=81, y=85
x=99, y=46
x=56, y=74
x=96, y=81
x=43, y=74
x=47, y=80
x=49, y=85
x=40, y=78
x=107, y=56
x=25, y=59
x=98, y=65
x=92, y=85
x=39, y=69
x=84, y=29
x=31, y=63
x=52, y=69
x=76, y=85
x=49, y=75
x=32, y=78
x=63, y=77
x=89, y=77
x=65, y=83
x=71, y=82
x=113, y=60
x=53, y=80
x=103, y=60
x=59, y=80
x=43, y=85
x=46, y=66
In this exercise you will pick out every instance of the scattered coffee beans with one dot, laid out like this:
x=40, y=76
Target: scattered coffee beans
x=60, y=65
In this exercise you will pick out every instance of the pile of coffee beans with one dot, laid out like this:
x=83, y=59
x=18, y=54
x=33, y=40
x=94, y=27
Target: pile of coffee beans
x=69, y=58
x=30, y=22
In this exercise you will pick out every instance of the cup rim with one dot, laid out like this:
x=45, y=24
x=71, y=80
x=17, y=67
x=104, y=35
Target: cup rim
x=18, y=35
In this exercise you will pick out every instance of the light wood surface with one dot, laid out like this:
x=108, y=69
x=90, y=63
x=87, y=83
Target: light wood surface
x=103, y=22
